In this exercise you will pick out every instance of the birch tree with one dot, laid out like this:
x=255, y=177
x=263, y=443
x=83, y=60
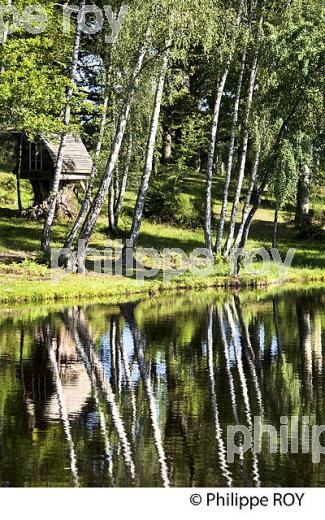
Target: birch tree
x=221, y=83
x=211, y=154
x=242, y=166
x=138, y=212
x=86, y=201
x=97, y=204
x=46, y=234
x=124, y=180
x=286, y=100
x=284, y=182
x=248, y=197
x=231, y=155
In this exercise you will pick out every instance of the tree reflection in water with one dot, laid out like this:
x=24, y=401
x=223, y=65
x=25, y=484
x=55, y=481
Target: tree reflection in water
x=142, y=394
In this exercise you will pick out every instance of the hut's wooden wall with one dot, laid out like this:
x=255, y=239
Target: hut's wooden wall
x=47, y=164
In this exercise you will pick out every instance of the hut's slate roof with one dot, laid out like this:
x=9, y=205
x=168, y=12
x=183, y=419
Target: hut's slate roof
x=76, y=158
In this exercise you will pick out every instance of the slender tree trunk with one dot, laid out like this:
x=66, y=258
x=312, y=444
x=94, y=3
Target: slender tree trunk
x=138, y=212
x=211, y=154
x=124, y=180
x=231, y=156
x=248, y=197
x=20, y=207
x=251, y=214
x=244, y=386
x=86, y=202
x=242, y=167
x=97, y=204
x=46, y=235
x=284, y=128
x=116, y=186
x=71, y=328
x=212, y=146
x=243, y=156
x=111, y=203
x=232, y=390
x=140, y=344
x=250, y=354
x=275, y=226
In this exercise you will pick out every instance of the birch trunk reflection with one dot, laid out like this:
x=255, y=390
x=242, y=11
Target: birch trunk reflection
x=92, y=377
x=139, y=347
x=50, y=342
x=222, y=453
x=246, y=341
x=143, y=394
x=106, y=388
x=243, y=382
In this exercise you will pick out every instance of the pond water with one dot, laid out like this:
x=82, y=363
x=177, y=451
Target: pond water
x=143, y=393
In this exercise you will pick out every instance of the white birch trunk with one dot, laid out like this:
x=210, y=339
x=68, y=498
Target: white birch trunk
x=105, y=387
x=244, y=387
x=95, y=392
x=228, y=368
x=213, y=140
x=139, y=347
x=46, y=235
x=231, y=155
x=250, y=354
x=96, y=206
x=128, y=378
x=211, y=154
x=85, y=204
x=243, y=156
x=51, y=343
x=153, y=414
x=248, y=198
x=124, y=180
x=144, y=185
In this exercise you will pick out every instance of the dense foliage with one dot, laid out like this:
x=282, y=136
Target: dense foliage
x=233, y=91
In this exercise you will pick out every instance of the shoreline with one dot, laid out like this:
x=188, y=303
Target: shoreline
x=29, y=288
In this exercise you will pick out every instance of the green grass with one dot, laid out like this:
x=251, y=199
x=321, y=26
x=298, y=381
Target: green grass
x=23, y=278
x=27, y=283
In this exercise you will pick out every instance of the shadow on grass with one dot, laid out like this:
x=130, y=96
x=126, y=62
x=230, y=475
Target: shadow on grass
x=17, y=233
x=22, y=235
x=187, y=240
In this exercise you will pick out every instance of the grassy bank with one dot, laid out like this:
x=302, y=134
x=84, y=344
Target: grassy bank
x=23, y=278
x=29, y=282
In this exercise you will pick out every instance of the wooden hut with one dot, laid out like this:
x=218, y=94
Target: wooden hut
x=38, y=159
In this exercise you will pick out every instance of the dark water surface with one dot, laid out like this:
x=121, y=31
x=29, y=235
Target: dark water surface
x=141, y=394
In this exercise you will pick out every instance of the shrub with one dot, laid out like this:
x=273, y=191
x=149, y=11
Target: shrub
x=7, y=188
x=188, y=212
x=161, y=202
x=166, y=204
